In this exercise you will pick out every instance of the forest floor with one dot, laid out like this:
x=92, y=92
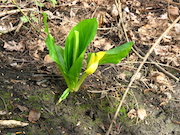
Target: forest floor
x=30, y=83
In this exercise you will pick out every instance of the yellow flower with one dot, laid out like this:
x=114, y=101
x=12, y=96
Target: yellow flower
x=94, y=61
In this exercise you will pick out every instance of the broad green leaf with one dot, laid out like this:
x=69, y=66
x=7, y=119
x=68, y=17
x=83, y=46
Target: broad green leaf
x=76, y=43
x=116, y=54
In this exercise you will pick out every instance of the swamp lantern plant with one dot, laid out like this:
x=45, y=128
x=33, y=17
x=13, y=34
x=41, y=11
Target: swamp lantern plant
x=70, y=58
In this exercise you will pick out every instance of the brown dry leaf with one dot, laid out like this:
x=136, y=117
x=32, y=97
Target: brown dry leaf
x=121, y=76
x=161, y=50
x=159, y=77
x=14, y=46
x=22, y=108
x=41, y=45
x=167, y=38
x=177, y=27
x=169, y=95
x=103, y=44
x=132, y=114
x=164, y=16
x=161, y=80
x=174, y=11
x=12, y=124
x=114, y=11
x=34, y=115
x=149, y=30
x=47, y=59
x=141, y=113
x=35, y=55
x=170, y=54
x=2, y=112
x=3, y=27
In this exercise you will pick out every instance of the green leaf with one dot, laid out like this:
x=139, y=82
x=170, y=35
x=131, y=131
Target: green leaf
x=54, y=2
x=63, y=96
x=116, y=54
x=38, y=3
x=24, y=19
x=56, y=52
x=45, y=23
x=76, y=43
x=34, y=18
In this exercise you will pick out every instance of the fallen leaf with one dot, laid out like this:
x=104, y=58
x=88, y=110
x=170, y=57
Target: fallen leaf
x=41, y=45
x=22, y=108
x=159, y=77
x=114, y=11
x=161, y=50
x=132, y=114
x=167, y=38
x=47, y=59
x=34, y=115
x=173, y=10
x=141, y=113
x=161, y=81
x=169, y=96
x=177, y=27
x=103, y=44
x=122, y=76
x=14, y=46
x=35, y=55
x=12, y=124
x=2, y=112
x=163, y=16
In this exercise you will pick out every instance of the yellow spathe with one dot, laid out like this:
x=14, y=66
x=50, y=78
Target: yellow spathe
x=94, y=61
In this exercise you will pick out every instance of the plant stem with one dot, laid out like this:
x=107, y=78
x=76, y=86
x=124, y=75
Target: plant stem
x=83, y=77
x=63, y=96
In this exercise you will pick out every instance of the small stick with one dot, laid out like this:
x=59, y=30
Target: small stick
x=9, y=30
x=16, y=11
x=5, y=106
x=139, y=68
x=153, y=63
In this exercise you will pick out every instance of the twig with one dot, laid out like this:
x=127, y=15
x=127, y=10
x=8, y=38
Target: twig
x=16, y=11
x=139, y=68
x=19, y=26
x=9, y=30
x=154, y=63
x=5, y=106
x=172, y=2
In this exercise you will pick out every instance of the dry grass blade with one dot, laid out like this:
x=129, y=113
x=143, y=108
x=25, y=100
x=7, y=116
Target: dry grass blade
x=139, y=68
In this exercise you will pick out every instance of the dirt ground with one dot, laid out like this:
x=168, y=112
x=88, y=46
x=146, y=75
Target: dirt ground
x=30, y=83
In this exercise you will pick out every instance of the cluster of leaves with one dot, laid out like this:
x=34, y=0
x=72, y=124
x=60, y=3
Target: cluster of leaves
x=70, y=59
